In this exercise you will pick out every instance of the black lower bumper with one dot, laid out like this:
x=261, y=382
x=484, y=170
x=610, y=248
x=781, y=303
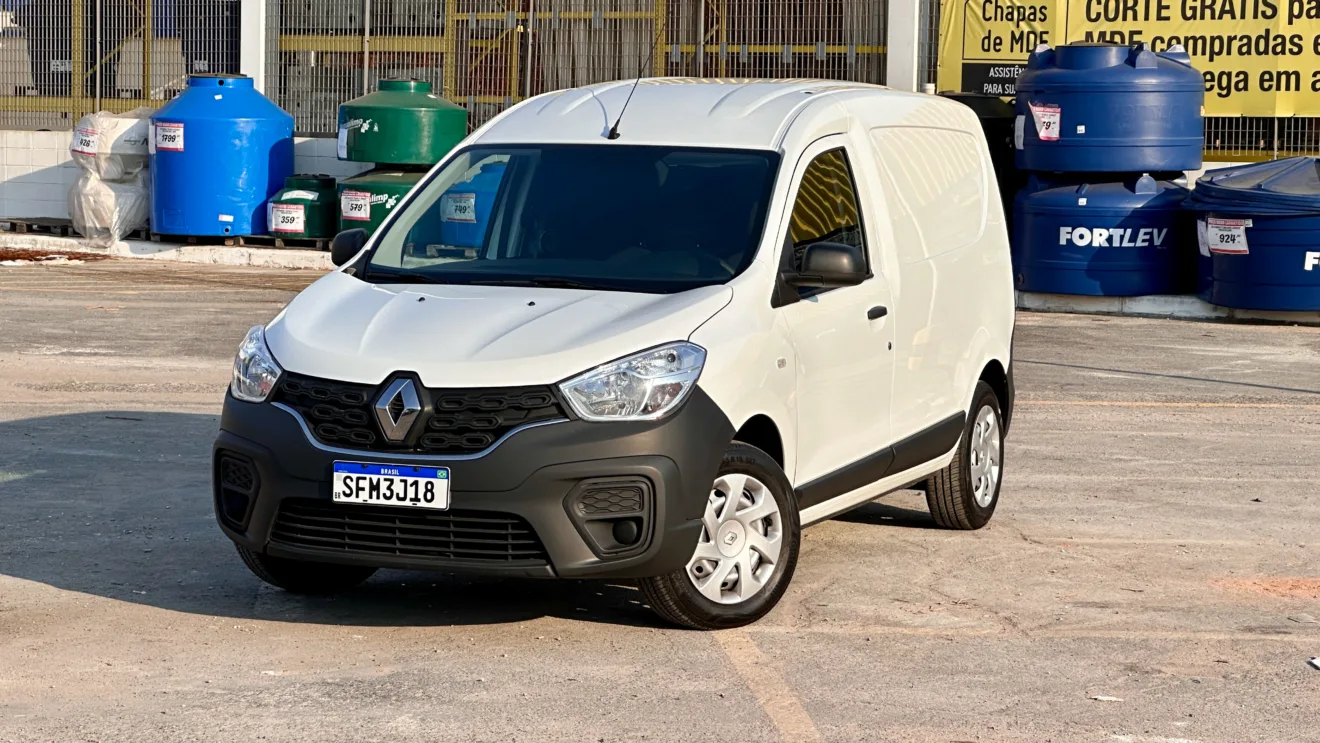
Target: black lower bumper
x=542, y=503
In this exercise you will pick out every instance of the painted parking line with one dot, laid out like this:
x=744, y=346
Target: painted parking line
x=769, y=688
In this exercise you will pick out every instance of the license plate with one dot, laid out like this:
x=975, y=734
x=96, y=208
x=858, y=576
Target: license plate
x=391, y=485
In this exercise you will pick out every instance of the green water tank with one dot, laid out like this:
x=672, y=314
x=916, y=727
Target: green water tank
x=305, y=207
x=366, y=200
x=402, y=123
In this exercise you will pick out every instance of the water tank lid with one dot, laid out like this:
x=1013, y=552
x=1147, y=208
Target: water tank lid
x=311, y=181
x=412, y=86
x=1282, y=187
x=219, y=80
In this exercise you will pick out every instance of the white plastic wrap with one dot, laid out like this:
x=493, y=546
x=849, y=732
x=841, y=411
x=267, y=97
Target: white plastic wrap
x=106, y=211
x=113, y=146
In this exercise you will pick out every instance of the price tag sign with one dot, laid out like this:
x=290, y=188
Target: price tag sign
x=355, y=205
x=85, y=141
x=1227, y=236
x=1046, y=116
x=169, y=137
x=286, y=218
x=459, y=207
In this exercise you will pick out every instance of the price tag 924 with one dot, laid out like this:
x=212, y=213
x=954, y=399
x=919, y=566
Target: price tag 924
x=1227, y=236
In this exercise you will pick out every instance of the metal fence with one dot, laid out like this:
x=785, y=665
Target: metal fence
x=60, y=59
x=488, y=54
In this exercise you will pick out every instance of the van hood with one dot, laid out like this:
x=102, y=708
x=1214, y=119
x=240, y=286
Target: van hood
x=475, y=336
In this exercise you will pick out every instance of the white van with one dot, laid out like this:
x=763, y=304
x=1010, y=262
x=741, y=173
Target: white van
x=648, y=343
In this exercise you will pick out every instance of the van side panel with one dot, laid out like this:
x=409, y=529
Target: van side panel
x=955, y=305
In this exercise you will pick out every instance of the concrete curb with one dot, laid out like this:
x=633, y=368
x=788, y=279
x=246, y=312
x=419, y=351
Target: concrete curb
x=1180, y=306
x=218, y=255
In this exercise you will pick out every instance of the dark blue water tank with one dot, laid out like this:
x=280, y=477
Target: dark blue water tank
x=1102, y=239
x=1275, y=267
x=219, y=150
x=1091, y=108
x=1258, y=228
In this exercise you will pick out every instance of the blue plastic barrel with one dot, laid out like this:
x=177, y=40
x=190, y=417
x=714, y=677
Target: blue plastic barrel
x=1258, y=227
x=1090, y=108
x=1102, y=239
x=219, y=150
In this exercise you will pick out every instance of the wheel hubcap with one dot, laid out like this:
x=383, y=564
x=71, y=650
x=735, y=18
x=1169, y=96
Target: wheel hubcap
x=985, y=456
x=741, y=538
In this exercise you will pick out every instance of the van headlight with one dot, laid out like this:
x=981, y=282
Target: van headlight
x=643, y=387
x=255, y=369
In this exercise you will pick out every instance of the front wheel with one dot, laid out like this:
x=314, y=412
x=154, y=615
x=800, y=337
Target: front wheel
x=745, y=556
x=964, y=494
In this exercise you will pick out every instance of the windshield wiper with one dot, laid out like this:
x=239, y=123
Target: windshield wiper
x=376, y=273
x=542, y=281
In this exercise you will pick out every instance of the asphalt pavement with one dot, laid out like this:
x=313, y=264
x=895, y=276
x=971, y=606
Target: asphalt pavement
x=1151, y=574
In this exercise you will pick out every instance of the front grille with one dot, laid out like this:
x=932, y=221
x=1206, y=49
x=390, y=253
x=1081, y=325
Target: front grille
x=456, y=421
x=440, y=536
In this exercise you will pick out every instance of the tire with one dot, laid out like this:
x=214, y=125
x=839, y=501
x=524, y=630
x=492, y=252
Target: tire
x=677, y=598
x=299, y=576
x=964, y=494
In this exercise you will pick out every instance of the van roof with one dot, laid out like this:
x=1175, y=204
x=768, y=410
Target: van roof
x=743, y=113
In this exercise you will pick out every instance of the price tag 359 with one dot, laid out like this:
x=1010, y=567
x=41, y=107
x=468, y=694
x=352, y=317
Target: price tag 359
x=286, y=218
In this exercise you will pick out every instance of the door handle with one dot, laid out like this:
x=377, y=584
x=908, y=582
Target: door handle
x=875, y=313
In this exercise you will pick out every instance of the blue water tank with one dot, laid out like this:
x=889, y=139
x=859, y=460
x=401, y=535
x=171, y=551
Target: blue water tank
x=219, y=150
x=465, y=207
x=1090, y=108
x=1102, y=239
x=1258, y=228
x=1275, y=267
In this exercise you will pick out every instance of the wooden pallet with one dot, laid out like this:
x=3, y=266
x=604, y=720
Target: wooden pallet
x=156, y=237
x=38, y=226
x=292, y=243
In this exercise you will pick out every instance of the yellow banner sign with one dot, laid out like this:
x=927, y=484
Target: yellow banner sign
x=1258, y=57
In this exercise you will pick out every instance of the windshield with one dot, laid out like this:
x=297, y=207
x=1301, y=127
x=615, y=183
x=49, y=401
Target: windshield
x=625, y=218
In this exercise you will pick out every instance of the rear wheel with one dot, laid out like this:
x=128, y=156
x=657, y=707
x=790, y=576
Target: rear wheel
x=964, y=494
x=299, y=576
x=745, y=556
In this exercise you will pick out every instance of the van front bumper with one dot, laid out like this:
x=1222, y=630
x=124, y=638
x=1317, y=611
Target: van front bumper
x=544, y=502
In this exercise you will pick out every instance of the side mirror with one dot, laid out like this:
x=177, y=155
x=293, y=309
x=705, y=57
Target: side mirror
x=347, y=244
x=830, y=265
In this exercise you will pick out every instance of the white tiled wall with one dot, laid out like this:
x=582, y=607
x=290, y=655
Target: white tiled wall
x=38, y=170
x=37, y=174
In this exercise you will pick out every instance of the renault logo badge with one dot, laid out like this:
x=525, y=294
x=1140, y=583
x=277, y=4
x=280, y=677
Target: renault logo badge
x=397, y=409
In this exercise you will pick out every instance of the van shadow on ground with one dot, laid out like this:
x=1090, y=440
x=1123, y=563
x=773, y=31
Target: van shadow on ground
x=118, y=504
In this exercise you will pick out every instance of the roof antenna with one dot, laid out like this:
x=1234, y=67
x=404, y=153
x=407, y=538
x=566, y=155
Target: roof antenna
x=614, y=130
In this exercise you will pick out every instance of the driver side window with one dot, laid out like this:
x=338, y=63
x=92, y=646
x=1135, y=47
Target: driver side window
x=826, y=208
